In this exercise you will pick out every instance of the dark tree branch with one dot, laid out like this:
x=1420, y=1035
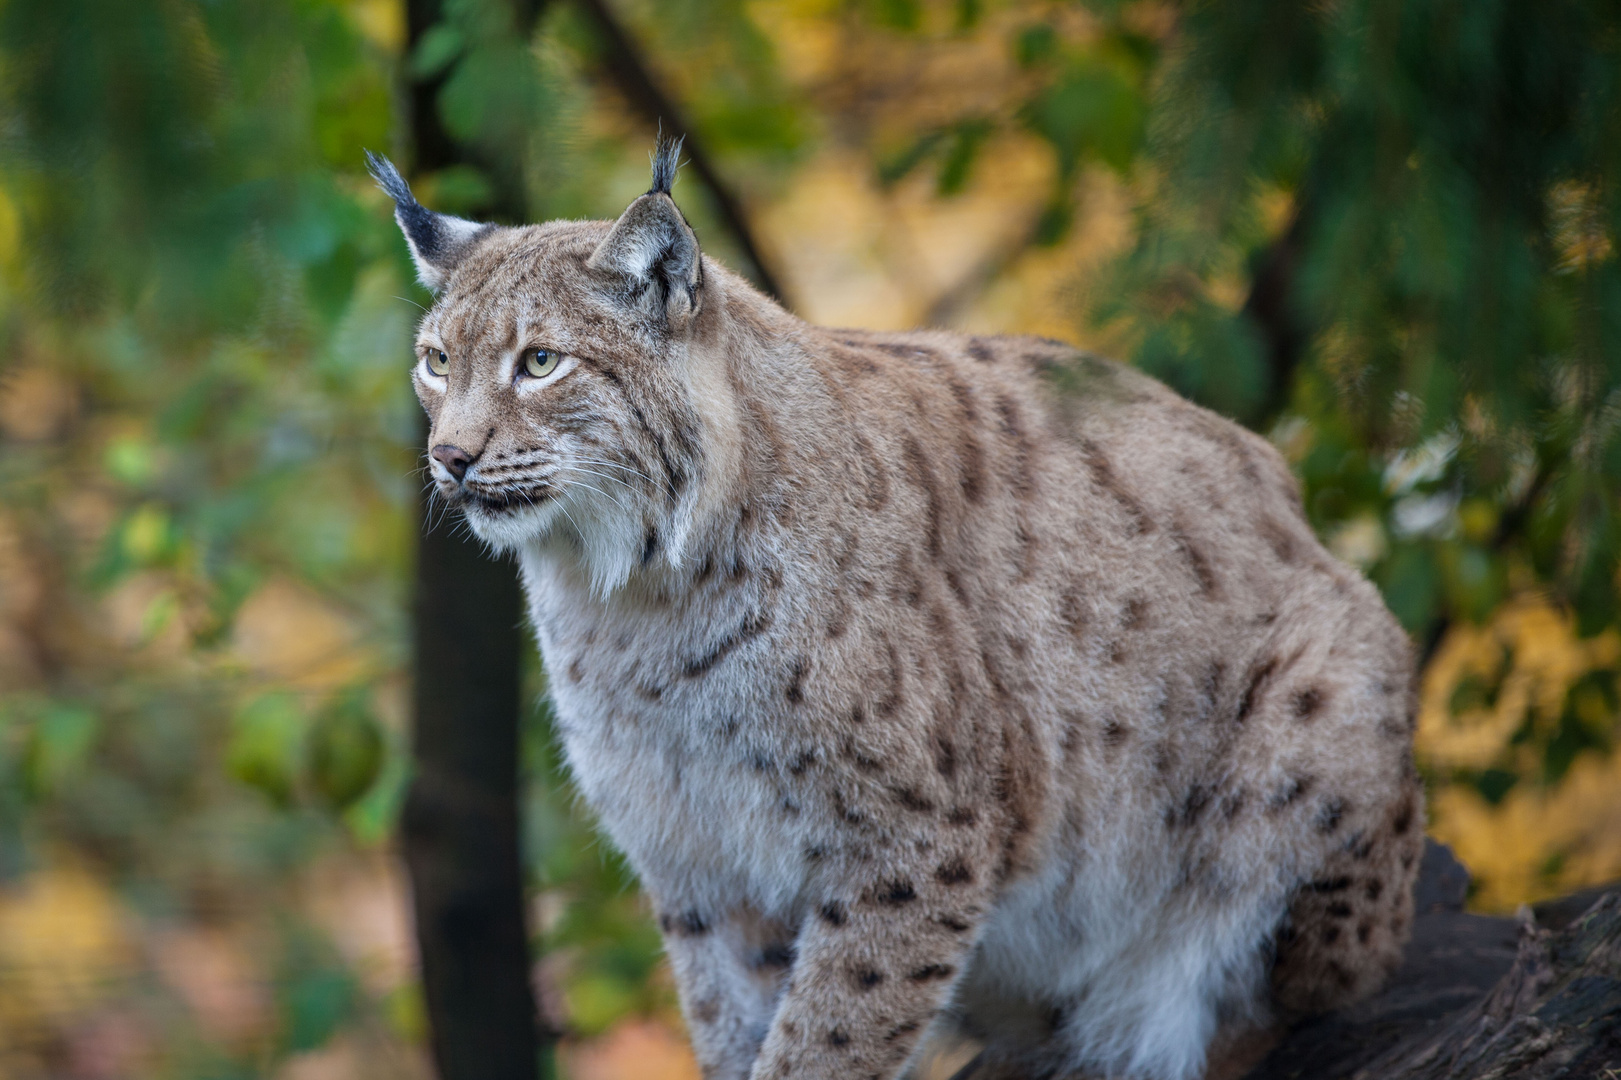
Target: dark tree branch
x=460, y=830
x=1270, y=306
x=622, y=62
x=952, y=302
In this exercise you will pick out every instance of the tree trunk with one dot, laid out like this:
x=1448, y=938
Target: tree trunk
x=460, y=831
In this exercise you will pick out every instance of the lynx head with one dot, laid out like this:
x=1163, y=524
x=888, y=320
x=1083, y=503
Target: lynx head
x=563, y=367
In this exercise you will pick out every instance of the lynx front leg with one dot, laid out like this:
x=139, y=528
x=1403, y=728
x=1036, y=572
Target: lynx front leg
x=729, y=971
x=872, y=971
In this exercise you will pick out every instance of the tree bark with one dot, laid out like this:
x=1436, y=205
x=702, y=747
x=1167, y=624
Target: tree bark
x=1557, y=1013
x=460, y=830
x=1478, y=998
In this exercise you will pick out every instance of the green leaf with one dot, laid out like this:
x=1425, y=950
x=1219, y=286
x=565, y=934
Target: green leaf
x=1411, y=584
x=267, y=736
x=437, y=50
x=346, y=751
x=1091, y=112
x=60, y=740
x=1035, y=44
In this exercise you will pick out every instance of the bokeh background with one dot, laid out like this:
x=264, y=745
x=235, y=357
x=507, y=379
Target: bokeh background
x=1381, y=232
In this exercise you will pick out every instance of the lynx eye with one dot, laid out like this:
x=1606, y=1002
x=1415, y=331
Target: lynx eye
x=438, y=362
x=539, y=363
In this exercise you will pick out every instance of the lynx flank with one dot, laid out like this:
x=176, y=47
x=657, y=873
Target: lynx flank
x=928, y=681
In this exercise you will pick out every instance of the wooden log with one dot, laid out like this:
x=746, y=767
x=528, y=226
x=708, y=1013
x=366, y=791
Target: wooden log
x=1479, y=998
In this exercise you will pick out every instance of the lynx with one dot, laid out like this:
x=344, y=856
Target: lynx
x=932, y=684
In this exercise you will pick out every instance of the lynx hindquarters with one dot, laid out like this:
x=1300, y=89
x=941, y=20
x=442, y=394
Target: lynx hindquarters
x=926, y=680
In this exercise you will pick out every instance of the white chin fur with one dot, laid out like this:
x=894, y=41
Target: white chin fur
x=604, y=537
x=508, y=530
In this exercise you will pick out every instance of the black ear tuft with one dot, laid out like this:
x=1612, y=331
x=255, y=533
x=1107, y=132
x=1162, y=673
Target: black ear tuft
x=666, y=160
x=437, y=241
x=389, y=179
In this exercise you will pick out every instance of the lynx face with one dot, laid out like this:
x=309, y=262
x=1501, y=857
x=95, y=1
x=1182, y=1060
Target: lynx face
x=557, y=373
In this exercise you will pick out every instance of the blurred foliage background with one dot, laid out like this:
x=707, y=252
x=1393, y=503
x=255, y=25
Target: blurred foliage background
x=1382, y=232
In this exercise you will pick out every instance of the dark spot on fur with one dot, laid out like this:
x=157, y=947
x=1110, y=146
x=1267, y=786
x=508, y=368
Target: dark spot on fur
x=1307, y=702
x=945, y=756
x=900, y=1031
x=752, y=626
x=1331, y=885
x=1329, y=815
x=887, y=705
x=814, y=853
x=796, y=677
x=833, y=913
x=706, y=1011
x=979, y=351
x=778, y=954
x=961, y=816
x=837, y=1037
x=800, y=762
x=867, y=978
x=1194, y=801
x=1363, y=932
x=1252, y=692
x=1072, y=611
x=1135, y=614
x=1339, y=909
x=1289, y=793
x=923, y=476
x=912, y=799
x=1373, y=889
x=1104, y=476
x=1198, y=561
x=1404, y=818
x=649, y=692
x=932, y=972
x=1114, y=734
x=1331, y=934
x=845, y=811
x=954, y=924
x=575, y=672
x=865, y=763
x=688, y=924
x=953, y=872
x=650, y=546
x=1232, y=803
x=1022, y=482
x=896, y=893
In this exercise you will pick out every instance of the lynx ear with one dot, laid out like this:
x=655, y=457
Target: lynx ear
x=653, y=251
x=437, y=241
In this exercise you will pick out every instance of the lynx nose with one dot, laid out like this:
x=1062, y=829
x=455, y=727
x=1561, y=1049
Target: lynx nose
x=453, y=458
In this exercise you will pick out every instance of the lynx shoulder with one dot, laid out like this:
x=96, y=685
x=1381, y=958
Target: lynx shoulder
x=930, y=682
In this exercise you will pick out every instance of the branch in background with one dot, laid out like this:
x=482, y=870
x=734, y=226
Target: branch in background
x=1270, y=306
x=623, y=64
x=950, y=303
